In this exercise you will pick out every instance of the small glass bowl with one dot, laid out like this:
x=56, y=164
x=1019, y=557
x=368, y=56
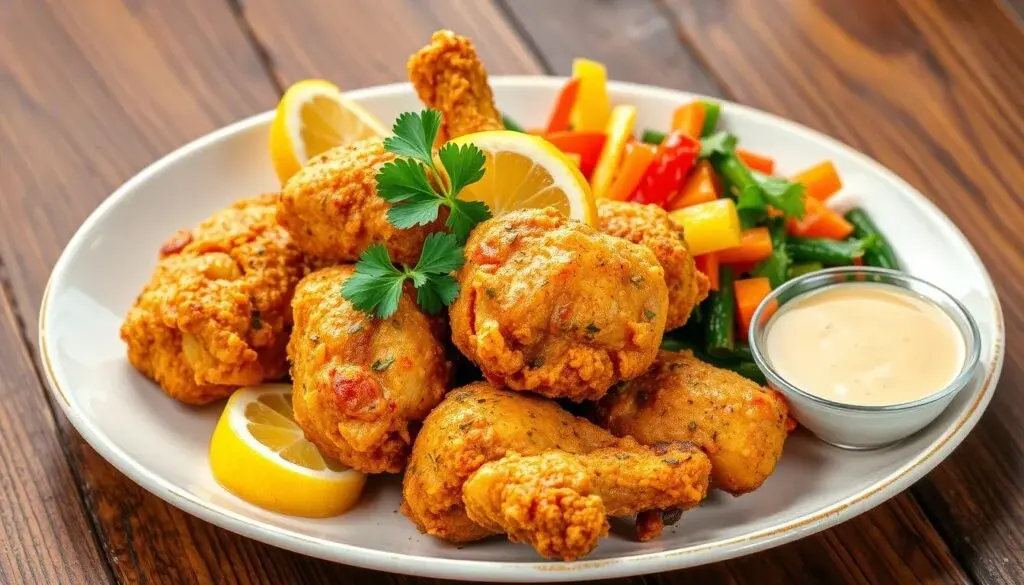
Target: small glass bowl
x=853, y=426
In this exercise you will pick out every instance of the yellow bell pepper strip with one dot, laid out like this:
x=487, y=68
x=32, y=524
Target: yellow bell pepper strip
x=701, y=186
x=559, y=120
x=689, y=119
x=710, y=227
x=619, y=130
x=588, y=145
x=755, y=245
x=592, y=104
x=635, y=160
x=822, y=180
x=756, y=162
x=664, y=178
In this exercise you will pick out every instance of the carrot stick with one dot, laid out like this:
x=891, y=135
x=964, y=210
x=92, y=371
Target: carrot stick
x=749, y=294
x=700, y=186
x=822, y=180
x=819, y=222
x=635, y=160
x=689, y=119
x=708, y=264
x=756, y=161
x=559, y=120
x=755, y=245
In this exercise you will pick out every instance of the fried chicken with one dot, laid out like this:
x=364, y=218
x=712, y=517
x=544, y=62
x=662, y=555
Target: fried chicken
x=553, y=306
x=449, y=77
x=360, y=382
x=215, y=314
x=331, y=207
x=740, y=425
x=491, y=461
x=651, y=226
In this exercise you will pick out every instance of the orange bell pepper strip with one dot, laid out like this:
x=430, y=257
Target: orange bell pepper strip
x=822, y=180
x=819, y=222
x=689, y=119
x=755, y=245
x=756, y=161
x=700, y=186
x=635, y=160
x=559, y=120
x=749, y=294
x=587, y=145
x=708, y=264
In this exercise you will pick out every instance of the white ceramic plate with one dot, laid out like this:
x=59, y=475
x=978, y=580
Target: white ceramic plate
x=162, y=445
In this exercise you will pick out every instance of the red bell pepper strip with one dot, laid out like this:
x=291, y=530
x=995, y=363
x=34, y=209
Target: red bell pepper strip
x=559, y=120
x=587, y=145
x=666, y=173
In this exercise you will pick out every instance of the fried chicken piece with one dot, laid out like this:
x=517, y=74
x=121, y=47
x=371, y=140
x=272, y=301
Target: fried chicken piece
x=215, y=314
x=559, y=502
x=553, y=306
x=362, y=383
x=331, y=207
x=651, y=226
x=449, y=77
x=489, y=461
x=739, y=424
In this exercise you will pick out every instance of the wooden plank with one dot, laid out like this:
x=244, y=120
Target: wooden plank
x=932, y=90
x=45, y=536
x=303, y=38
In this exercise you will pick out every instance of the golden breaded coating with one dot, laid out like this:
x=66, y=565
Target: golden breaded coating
x=215, y=314
x=651, y=226
x=558, y=501
x=449, y=77
x=553, y=306
x=739, y=424
x=491, y=461
x=331, y=207
x=361, y=383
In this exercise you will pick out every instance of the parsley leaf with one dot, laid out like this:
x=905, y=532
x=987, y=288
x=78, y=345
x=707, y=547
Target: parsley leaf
x=442, y=291
x=377, y=283
x=414, y=136
x=441, y=254
x=782, y=194
x=402, y=179
x=464, y=164
x=465, y=216
x=720, y=142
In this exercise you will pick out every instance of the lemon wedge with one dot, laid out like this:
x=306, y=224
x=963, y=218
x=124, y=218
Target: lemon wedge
x=525, y=171
x=314, y=116
x=259, y=454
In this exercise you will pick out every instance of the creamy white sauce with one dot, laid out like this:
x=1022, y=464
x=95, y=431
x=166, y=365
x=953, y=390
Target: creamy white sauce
x=865, y=344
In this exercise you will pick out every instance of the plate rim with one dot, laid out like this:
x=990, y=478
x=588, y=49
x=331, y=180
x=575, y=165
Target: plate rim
x=539, y=571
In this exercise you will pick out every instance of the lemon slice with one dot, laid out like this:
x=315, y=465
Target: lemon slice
x=314, y=116
x=525, y=171
x=259, y=454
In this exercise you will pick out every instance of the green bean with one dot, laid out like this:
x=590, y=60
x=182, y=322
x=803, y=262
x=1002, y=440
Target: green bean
x=712, y=110
x=803, y=268
x=511, y=124
x=742, y=352
x=720, y=322
x=748, y=370
x=881, y=253
x=740, y=361
x=652, y=136
x=828, y=251
x=775, y=266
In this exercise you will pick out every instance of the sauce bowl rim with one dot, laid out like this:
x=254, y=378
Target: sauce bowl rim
x=938, y=297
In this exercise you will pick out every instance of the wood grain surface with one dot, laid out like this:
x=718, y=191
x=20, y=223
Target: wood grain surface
x=929, y=87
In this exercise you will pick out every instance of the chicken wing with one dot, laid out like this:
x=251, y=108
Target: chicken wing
x=361, y=383
x=214, y=316
x=449, y=77
x=740, y=425
x=651, y=226
x=490, y=461
x=555, y=307
x=331, y=207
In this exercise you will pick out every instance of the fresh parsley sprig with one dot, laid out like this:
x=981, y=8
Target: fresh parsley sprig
x=415, y=186
x=377, y=283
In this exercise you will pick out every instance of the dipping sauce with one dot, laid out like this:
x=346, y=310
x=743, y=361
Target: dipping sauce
x=864, y=343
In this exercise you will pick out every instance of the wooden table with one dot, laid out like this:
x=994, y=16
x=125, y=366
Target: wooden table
x=93, y=90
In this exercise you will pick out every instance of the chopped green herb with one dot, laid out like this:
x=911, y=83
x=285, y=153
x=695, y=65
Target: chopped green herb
x=592, y=329
x=257, y=320
x=649, y=314
x=382, y=364
x=490, y=293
